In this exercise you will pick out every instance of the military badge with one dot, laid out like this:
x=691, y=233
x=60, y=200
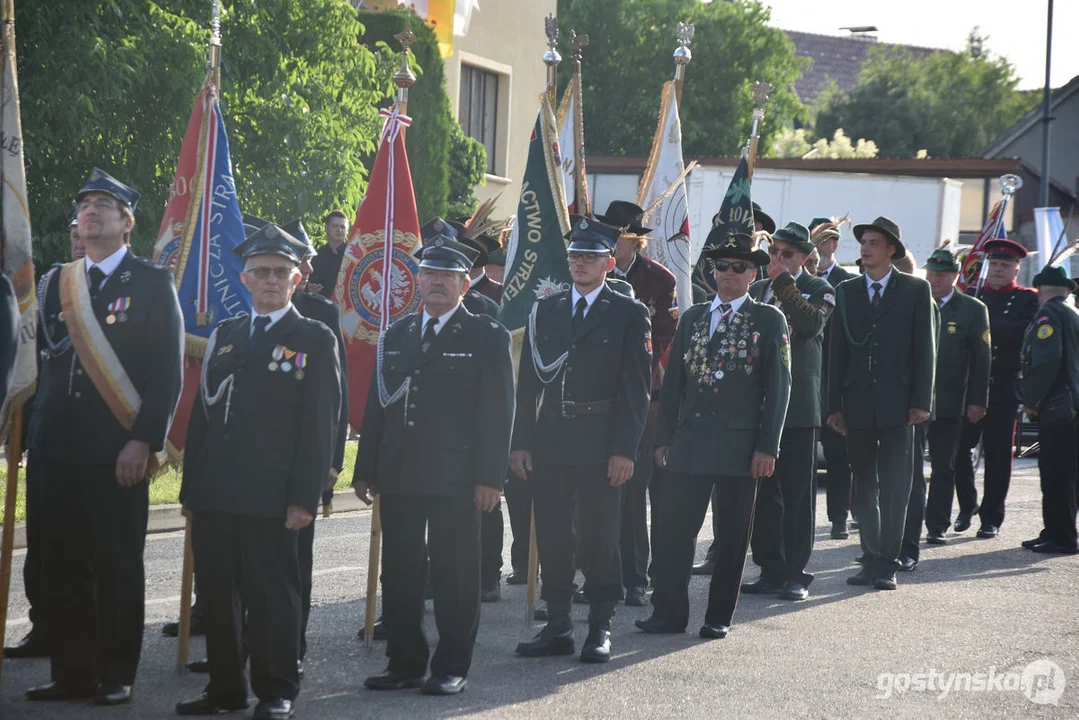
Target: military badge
x=648, y=342
x=785, y=355
x=986, y=337
x=951, y=327
x=1045, y=332
x=118, y=310
x=301, y=363
x=125, y=277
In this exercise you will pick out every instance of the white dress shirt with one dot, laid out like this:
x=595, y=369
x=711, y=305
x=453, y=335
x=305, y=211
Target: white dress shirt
x=589, y=299
x=717, y=313
x=274, y=317
x=442, y=319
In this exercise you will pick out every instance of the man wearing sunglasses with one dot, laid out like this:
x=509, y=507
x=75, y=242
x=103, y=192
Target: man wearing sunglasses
x=882, y=369
x=721, y=414
x=582, y=396
x=259, y=449
x=785, y=524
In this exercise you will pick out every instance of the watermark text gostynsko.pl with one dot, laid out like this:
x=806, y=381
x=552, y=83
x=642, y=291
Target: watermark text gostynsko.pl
x=1042, y=681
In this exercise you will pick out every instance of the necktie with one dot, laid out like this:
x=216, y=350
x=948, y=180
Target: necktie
x=877, y=287
x=97, y=276
x=259, y=329
x=578, y=315
x=822, y=274
x=717, y=338
x=429, y=333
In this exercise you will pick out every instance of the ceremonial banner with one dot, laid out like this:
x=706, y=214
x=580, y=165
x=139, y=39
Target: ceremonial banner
x=1049, y=229
x=972, y=264
x=18, y=263
x=201, y=227
x=569, y=117
x=736, y=214
x=669, y=242
x=377, y=282
x=536, y=264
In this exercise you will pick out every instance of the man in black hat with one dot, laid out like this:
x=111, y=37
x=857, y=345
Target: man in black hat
x=258, y=453
x=785, y=521
x=962, y=388
x=1051, y=394
x=107, y=388
x=654, y=285
x=1011, y=310
x=881, y=378
x=587, y=356
x=434, y=447
x=721, y=415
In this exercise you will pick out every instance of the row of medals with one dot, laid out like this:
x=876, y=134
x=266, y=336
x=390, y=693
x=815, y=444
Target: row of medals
x=735, y=347
x=279, y=362
x=110, y=319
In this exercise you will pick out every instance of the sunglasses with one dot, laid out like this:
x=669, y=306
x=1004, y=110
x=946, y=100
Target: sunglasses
x=586, y=258
x=787, y=253
x=737, y=267
x=263, y=273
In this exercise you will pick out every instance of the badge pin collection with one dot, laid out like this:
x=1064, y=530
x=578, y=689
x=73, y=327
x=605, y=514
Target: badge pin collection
x=286, y=360
x=739, y=348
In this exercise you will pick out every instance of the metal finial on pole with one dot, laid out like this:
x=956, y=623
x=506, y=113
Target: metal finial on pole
x=551, y=58
x=682, y=55
x=404, y=78
x=215, y=41
x=762, y=92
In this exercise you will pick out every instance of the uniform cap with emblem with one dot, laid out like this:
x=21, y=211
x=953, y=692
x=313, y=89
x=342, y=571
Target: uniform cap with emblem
x=270, y=239
x=625, y=216
x=296, y=230
x=795, y=234
x=591, y=235
x=888, y=228
x=442, y=251
x=942, y=260
x=1053, y=276
x=1002, y=248
x=101, y=182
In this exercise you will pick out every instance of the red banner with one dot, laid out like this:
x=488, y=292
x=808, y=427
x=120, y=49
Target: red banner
x=377, y=283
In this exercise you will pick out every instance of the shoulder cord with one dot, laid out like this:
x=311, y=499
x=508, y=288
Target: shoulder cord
x=841, y=300
x=226, y=384
x=549, y=370
x=55, y=348
x=384, y=396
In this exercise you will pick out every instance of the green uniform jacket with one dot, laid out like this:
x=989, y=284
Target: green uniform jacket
x=712, y=424
x=962, y=356
x=882, y=362
x=1051, y=363
x=807, y=302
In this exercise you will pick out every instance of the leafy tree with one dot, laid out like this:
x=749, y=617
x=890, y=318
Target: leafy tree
x=468, y=166
x=947, y=104
x=629, y=57
x=791, y=143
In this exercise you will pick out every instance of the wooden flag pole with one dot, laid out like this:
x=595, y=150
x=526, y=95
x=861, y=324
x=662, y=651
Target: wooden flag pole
x=14, y=454
x=533, y=571
x=580, y=173
x=184, y=636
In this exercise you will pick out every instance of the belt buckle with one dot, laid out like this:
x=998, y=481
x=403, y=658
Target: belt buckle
x=569, y=409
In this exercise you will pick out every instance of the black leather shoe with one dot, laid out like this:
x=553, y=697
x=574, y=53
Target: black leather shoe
x=907, y=563
x=1028, y=544
x=936, y=537
x=198, y=627
x=860, y=559
x=492, y=594
x=273, y=710
x=862, y=578
x=379, y=633
x=988, y=531
x=444, y=685
x=549, y=641
x=762, y=586
x=205, y=705
x=635, y=597
x=200, y=667
x=597, y=646
x=391, y=680
x=1051, y=546
x=962, y=520
x=31, y=646
x=793, y=591
x=885, y=583
x=657, y=626
x=579, y=598
x=705, y=568
x=517, y=578
x=55, y=692
x=112, y=694
x=839, y=530
x=713, y=632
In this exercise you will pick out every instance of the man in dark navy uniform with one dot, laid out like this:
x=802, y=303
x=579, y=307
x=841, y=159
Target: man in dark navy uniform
x=582, y=398
x=108, y=386
x=326, y=264
x=1011, y=310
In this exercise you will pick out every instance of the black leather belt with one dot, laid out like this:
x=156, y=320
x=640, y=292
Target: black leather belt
x=571, y=409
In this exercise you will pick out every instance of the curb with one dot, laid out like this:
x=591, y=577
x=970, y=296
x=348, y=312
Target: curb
x=167, y=518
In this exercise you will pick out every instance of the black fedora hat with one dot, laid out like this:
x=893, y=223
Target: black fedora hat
x=723, y=243
x=625, y=216
x=1053, y=276
x=887, y=227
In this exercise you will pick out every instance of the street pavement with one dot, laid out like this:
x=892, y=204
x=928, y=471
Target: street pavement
x=981, y=629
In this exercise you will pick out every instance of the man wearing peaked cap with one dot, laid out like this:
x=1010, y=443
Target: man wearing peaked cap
x=962, y=391
x=1051, y=394
x=435, y=233
x=722, y=408
x=582, y=396
x=109, y=320
x=259, y=449
x=1011, y=310
x=434, y=448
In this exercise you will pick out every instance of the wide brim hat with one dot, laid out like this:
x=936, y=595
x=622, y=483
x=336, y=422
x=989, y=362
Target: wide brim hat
x=1053, y=276
x=797, y=235
x=722, y=244
x=626, y=216
x=477, y=243
x=942, y=260
x=887, y=227
x=766, y=221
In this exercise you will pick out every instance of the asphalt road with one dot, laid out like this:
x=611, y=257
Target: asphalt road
x=993, y=623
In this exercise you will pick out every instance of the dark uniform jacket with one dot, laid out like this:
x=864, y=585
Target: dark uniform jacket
x=450, y=430
x=325, y=267
x=1010, y=312
x=268, y=441
x=489, y=288
x=882, y=363
x=962, y=356
x=316, y=307
x=596, y=404
x=479, y=304
x=834, y=277
x=724, y=400
x=807, y=304
x=1051, y=363
x=71, y=420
